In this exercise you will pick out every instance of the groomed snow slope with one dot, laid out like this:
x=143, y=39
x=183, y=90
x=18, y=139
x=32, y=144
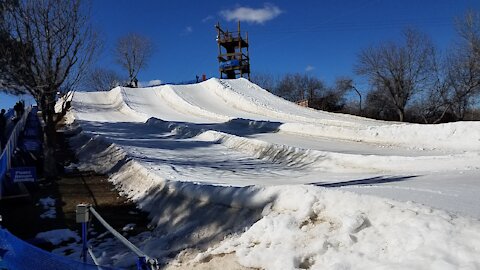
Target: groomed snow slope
x=236, y=150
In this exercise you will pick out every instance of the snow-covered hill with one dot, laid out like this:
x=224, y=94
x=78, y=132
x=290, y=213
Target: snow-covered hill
x=224, y=167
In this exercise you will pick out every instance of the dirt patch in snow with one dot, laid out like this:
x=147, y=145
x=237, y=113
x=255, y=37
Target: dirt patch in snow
x=223, y=261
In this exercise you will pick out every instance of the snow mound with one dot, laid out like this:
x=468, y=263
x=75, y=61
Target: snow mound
x=318, y=160
x=284, y=227
x=461, y=136
x=311, y=228
x=224, y=100
x=188, y=155
x=90, y=105
x=250, y=97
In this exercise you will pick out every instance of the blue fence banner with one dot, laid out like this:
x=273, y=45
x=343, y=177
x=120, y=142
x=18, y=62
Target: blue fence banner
x=23, y=174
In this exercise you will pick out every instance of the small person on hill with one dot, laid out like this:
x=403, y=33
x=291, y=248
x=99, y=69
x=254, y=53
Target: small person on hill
x=19, y=109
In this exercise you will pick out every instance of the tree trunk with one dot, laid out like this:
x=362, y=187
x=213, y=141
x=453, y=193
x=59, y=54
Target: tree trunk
x=50, y=164
x=401, y=114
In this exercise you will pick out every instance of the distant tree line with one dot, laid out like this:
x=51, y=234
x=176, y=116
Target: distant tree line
x=408, y=80
x=303, y=87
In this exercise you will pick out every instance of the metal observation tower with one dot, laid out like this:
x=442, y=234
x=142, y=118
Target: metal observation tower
x=233, y=57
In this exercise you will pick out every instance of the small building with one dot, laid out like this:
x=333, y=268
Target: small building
x=303, y=102
x=233, y=56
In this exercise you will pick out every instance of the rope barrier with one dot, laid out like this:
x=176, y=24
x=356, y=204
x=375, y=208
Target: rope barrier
x=83, y=216
x=120, y=237
x=94, y=259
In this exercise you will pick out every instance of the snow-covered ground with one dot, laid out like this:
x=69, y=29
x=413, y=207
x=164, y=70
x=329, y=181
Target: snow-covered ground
x=224, y=167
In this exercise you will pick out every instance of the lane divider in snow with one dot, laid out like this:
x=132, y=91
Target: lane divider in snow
x=457, y=136
x=319, y=160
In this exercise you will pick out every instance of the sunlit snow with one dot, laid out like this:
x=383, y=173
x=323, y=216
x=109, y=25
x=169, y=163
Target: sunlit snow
x=224, y=167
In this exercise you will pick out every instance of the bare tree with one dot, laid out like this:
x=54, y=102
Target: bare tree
x=56, y=45
x=267, y=81
x=400, y=70
x=463, y=66
x=101, y=79
x=379, y=106
x=295, y=87
x=132, y=52
x=345, y=84
x=9, y=50
x=303, y=87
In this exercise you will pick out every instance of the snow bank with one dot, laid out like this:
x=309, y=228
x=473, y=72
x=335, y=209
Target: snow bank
x=462, y=136
x=318, y=160
x=313, y=228
x=68, y=96
x=281, y=227
x=458, y=136
x=243, y=96
x=252, y=98
x=170, y=95
x=337, y=162
x=101, y=106
x=274, y=227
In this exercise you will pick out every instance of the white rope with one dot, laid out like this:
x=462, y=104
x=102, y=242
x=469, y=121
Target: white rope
x=120, y=237
x=94, y=259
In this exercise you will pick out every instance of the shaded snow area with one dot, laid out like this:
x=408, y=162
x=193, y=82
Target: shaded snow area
x=56, y=237
x=48, y=205
x=235, y=178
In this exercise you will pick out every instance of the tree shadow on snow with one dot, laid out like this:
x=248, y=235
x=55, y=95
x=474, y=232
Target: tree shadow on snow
x=184, y=215
x=366, y=181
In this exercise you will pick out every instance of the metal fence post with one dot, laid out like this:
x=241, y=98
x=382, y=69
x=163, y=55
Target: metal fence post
x=142, y=263
x=84, y=242
x=82, y=216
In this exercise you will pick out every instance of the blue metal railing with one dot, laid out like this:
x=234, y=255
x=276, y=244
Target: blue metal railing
x=10, y=145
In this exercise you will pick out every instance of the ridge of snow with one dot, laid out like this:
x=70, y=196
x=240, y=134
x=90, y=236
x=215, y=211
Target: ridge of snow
x=300, y=225
x=171, y=95
x=165, y=168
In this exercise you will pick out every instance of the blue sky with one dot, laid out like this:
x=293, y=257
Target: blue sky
x=321, y=38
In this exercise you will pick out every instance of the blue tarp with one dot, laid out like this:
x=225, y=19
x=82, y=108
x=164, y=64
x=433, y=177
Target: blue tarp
x=16, y=254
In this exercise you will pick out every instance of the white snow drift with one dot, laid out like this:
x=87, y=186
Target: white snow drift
x=217, y=164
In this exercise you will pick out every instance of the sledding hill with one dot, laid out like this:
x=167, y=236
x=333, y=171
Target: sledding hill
x=229, y=143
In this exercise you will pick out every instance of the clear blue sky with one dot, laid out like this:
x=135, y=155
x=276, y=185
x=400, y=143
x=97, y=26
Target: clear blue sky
x=322, y=38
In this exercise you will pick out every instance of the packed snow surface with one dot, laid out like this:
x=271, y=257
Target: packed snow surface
x=224, y=167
